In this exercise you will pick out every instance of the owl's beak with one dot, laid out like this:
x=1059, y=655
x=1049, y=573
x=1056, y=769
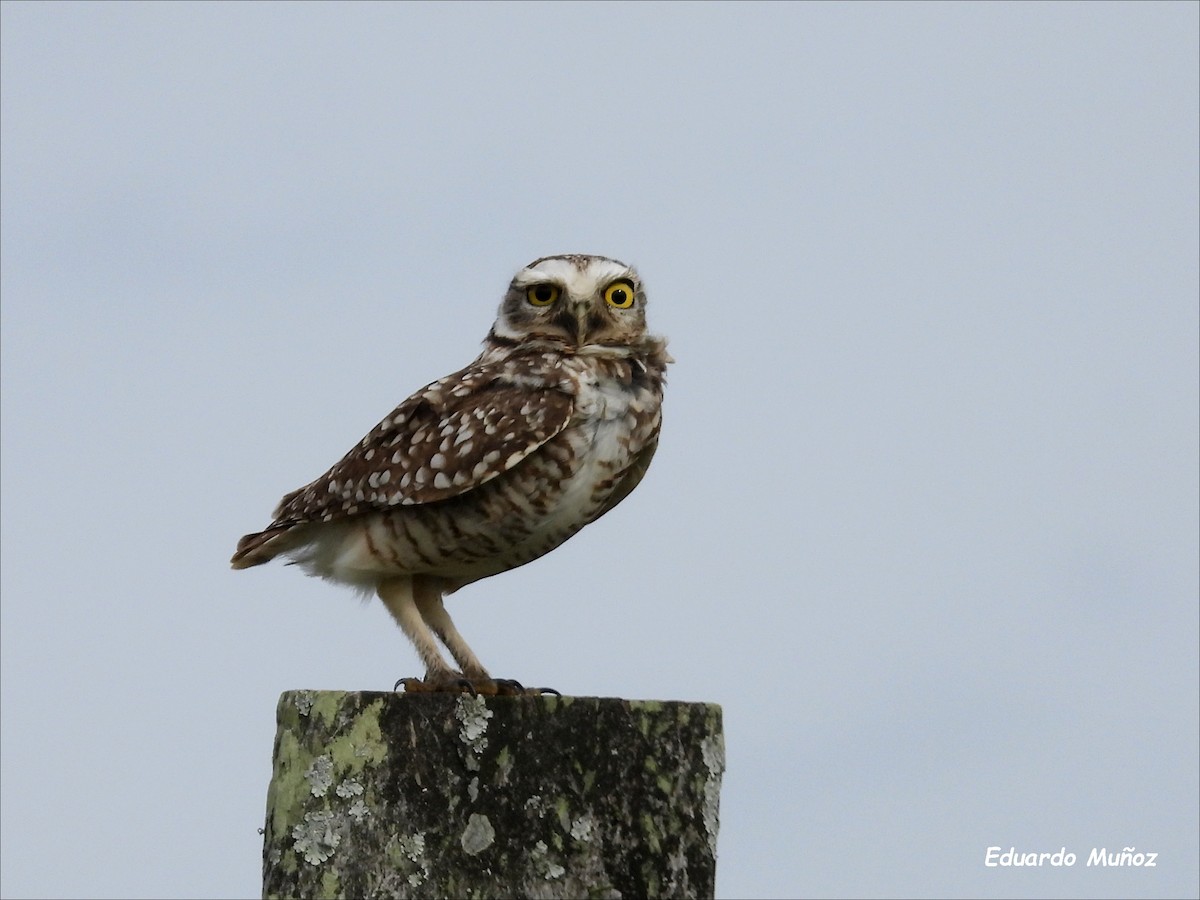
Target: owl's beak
x=573, y=318
x=581, y=310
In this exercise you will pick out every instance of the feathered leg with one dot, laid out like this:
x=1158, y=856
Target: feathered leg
x=428, y=596
x=397, y=595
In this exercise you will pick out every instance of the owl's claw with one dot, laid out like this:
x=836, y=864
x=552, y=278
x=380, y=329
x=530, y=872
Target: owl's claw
x=476, y=687
x=454, y=685
x=510, y=687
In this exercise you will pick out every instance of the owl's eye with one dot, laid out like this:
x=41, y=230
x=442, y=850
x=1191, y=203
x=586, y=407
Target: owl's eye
x=542, y=294
x=619, y=294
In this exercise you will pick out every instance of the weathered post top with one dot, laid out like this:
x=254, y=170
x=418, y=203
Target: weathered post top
x=378, y=794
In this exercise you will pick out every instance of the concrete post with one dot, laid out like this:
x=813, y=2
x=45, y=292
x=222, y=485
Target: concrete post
x=378, y=794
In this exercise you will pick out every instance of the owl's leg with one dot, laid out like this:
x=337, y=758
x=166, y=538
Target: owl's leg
x=428, y=598
x=399, y=596
x=427, y=593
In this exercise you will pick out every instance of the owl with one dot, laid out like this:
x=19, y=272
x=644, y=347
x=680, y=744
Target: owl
x=492, y=466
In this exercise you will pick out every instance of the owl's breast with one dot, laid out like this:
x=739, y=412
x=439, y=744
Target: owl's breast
x=588, y=459
x=570, y=480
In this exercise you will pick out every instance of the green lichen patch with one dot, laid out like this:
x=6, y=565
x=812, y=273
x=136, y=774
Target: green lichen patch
x=361, y=744
x=326, y=705
x=330, y=884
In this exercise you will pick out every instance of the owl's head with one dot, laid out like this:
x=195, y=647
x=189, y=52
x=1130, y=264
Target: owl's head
x=583, y=304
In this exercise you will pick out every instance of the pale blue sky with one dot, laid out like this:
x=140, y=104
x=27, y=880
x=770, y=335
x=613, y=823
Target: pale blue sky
x=924, y=519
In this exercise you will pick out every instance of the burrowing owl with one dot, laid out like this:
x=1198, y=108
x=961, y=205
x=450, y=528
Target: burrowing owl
x=490, y=467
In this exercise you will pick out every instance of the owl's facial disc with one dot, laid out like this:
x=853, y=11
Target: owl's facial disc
x=574, y=300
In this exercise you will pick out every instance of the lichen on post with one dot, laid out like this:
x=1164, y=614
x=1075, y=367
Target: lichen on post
x=379, y=794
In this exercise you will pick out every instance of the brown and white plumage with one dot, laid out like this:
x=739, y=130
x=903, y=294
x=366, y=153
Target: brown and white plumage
x=494, y=465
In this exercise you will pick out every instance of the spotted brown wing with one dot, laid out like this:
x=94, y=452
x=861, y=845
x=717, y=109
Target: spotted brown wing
x=454, y=435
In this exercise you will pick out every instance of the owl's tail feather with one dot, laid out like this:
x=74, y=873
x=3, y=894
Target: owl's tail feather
x=260, y=547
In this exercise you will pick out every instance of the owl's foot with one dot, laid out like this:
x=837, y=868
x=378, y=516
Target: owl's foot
x=476, y=687
x=509, y=687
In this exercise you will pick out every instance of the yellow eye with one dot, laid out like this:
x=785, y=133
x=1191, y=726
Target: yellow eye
x=542, y=294
x=619, y=294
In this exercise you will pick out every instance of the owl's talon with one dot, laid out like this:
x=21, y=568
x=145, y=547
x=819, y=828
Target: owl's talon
x=456, y=684
x=510, y=687
x=417, y=686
